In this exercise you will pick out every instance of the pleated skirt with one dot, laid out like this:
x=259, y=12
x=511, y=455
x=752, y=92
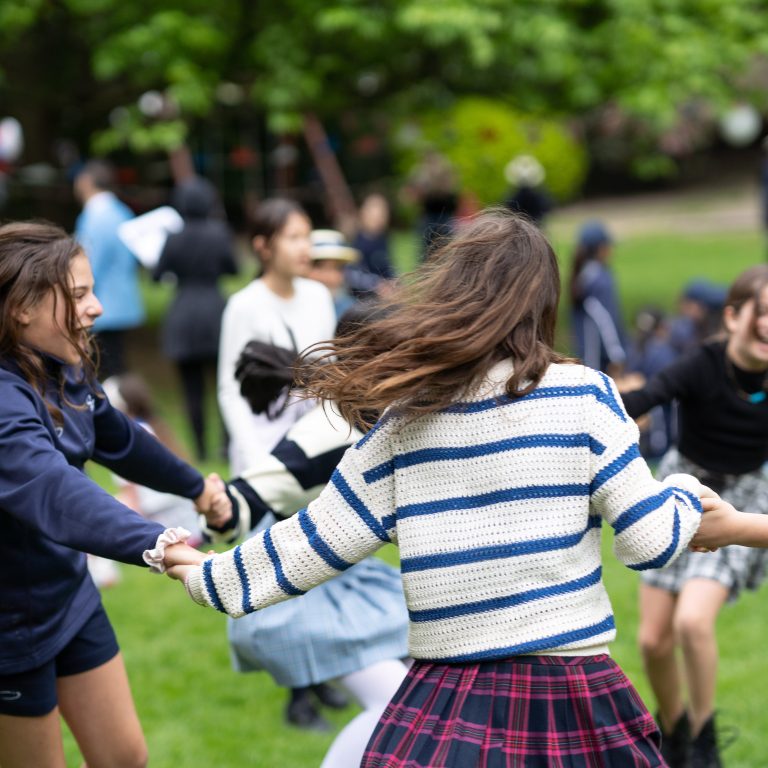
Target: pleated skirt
x=522, y=712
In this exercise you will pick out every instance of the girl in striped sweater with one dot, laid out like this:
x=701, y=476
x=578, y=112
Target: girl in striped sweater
x=493, y=468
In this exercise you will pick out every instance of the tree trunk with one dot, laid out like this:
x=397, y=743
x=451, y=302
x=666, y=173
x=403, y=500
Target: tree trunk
x=342, y=204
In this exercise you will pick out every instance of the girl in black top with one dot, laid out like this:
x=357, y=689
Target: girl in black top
x=722, y=389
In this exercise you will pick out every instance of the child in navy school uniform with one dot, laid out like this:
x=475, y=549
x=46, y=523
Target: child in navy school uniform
x=493, y=467
x=58, y=652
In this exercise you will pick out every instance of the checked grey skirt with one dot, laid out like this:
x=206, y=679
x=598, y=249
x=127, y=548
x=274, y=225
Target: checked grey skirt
x=344, y=625
x=735, y=567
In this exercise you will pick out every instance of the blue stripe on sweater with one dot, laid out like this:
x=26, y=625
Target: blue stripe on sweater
x=661, y=560
x=319, y=545
x=613, y=469
x=282, y=581
x=609, y=399
x=246, y=587
x=493, y=497
x=357, y=505
x=373, y=430
x=497, y=551
x=457, y=453
x=542, y=644
x=507, y=601
x=695, y=501
x=210, y=586
x=640, y=510
x=477, y=406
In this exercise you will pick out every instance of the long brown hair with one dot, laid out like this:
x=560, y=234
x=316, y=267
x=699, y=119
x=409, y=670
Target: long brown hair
x=35, y=260
x=490, y=293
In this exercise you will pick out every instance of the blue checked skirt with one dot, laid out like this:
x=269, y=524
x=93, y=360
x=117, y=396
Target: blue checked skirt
x=346, y=624
x=522, y=712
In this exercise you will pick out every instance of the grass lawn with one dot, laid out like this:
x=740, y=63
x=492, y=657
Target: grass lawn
x=197, y=712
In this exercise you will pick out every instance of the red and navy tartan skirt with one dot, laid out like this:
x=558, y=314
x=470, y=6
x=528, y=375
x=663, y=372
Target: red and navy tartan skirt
x=522, y=712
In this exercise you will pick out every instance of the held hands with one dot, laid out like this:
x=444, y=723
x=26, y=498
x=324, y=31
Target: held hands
x=720, y=524
x=180, y=559
x=213, y=502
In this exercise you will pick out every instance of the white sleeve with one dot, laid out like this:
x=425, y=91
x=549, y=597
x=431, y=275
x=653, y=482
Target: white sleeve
x=350, y=520
x=653, y=521
x=237, y=329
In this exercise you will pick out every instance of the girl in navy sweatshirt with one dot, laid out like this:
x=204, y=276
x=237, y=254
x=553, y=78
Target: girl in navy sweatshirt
x=58, y=653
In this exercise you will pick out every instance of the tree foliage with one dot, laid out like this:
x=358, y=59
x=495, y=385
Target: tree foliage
x=648, y=58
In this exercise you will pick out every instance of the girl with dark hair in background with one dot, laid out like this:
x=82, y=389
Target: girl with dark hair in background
x=722, y=391
x=58, y=652
x=280, y=307
x=493, y=467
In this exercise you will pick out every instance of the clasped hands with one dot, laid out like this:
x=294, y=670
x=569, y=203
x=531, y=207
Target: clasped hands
x=719, y=523
x=214, y=503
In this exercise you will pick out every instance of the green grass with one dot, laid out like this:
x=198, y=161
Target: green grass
x=197, y=712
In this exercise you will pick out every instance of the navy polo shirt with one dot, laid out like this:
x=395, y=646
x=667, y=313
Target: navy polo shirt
x=51, y=512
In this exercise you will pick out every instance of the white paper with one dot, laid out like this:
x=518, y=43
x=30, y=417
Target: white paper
x=145, y=235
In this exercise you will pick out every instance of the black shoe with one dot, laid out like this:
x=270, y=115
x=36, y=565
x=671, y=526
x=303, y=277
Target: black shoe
x=676, y=745
x=302, y=713
x=329, y=696
x=704, y=749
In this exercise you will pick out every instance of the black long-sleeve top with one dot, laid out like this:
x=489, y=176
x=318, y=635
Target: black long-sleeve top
x=719, y=430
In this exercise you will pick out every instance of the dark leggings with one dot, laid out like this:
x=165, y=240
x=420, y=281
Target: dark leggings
x=193, y=374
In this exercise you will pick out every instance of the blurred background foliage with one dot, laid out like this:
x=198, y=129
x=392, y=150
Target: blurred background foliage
x=480, y=135
x=640, y=84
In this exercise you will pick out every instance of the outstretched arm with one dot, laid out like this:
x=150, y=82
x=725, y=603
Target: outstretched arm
x=722, y=524
x=350, y=520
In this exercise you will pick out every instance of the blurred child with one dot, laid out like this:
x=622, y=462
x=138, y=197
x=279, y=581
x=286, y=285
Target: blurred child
x=650, y=352
x=595, y=315
x=329, y=257
x=282, y=306
x=493, y=467
x=699, y=314
x=374, y=271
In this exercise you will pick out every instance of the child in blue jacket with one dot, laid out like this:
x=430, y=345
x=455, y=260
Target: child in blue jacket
x=58, y=652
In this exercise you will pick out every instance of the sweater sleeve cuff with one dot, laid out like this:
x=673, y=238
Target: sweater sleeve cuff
x=154, y=557
x=194, y=586
x=686, y=482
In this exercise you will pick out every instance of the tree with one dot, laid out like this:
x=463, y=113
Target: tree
x=647, y=58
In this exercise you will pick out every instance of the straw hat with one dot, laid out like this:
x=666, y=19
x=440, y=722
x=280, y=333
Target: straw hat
x=329, y=244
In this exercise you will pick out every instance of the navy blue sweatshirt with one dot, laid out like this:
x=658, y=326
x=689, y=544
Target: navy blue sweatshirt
x=51, y=512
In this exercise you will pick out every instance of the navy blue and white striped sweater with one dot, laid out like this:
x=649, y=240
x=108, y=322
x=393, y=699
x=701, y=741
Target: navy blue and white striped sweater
x=496, y=505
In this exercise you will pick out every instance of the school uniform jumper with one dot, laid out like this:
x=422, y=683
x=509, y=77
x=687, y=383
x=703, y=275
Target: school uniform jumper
x=496, y=504
x=51, y=513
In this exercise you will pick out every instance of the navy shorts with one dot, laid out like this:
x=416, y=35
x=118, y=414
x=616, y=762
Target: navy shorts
x=33, y=693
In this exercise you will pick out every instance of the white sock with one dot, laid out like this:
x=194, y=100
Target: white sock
x=373, y=687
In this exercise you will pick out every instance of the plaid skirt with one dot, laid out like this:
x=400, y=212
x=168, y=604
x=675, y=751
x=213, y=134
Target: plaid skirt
x=522, y=712
x=736, y=568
